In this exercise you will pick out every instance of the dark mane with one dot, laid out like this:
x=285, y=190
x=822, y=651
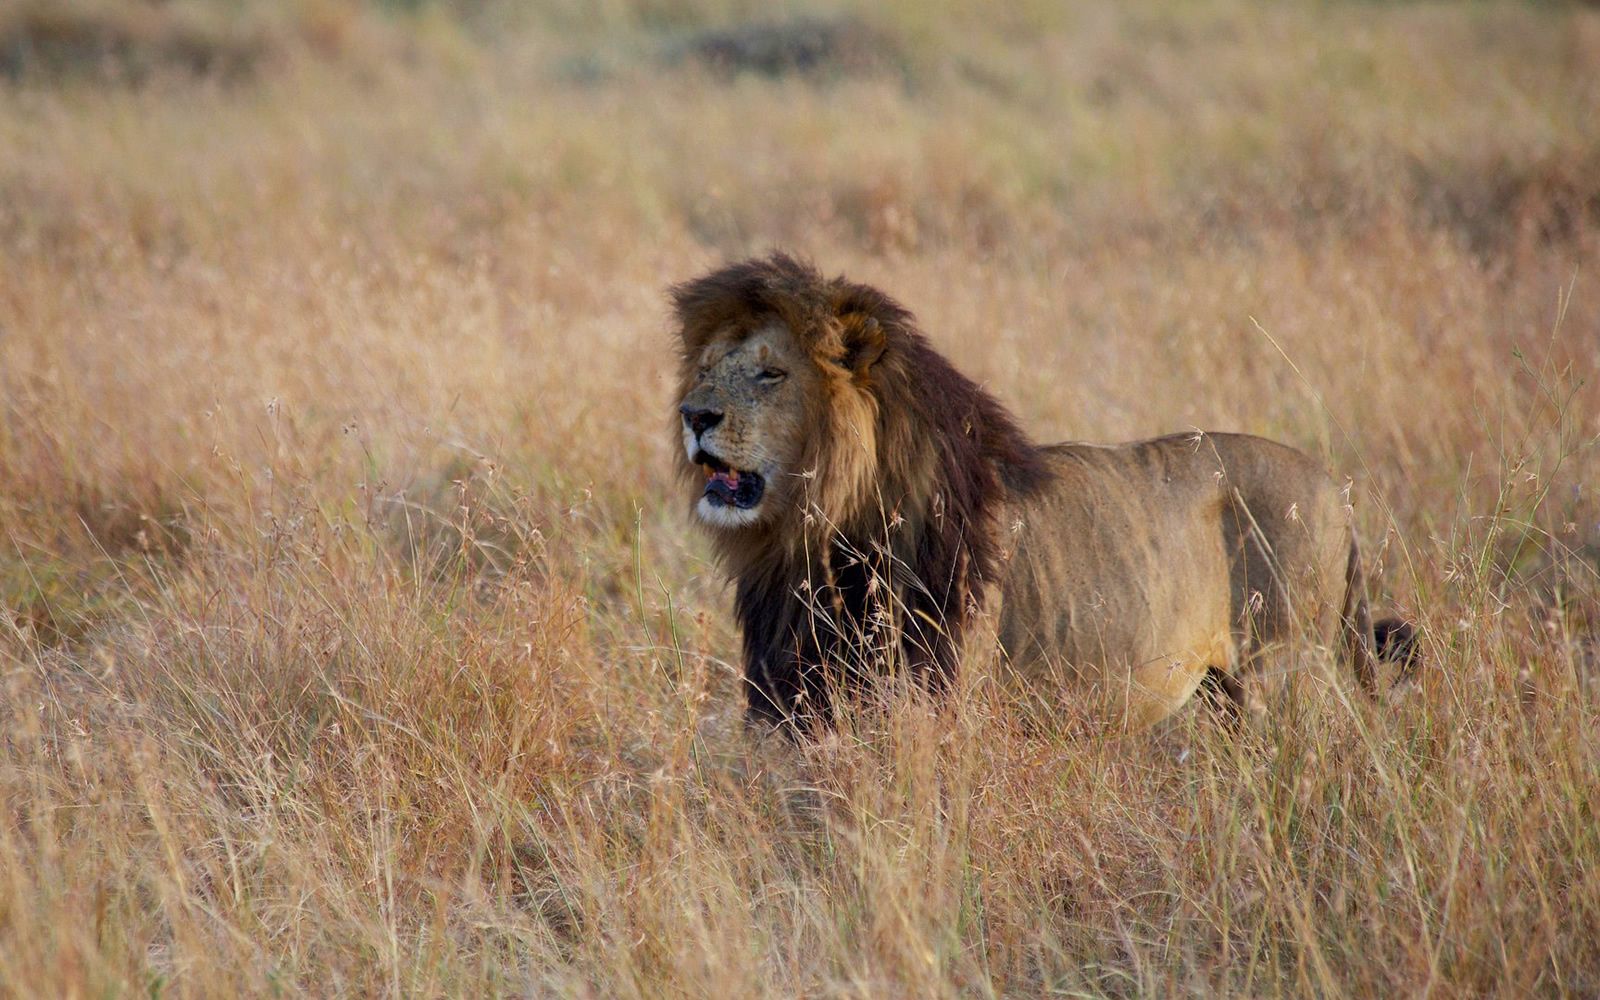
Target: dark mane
x=865, y=583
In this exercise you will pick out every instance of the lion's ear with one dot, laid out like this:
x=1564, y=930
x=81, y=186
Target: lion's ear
x=864, y=342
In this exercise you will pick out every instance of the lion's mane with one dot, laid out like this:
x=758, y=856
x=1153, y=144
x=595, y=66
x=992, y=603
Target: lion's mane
x=885, y=561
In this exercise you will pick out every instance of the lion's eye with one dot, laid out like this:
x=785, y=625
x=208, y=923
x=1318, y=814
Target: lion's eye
x=772, y=376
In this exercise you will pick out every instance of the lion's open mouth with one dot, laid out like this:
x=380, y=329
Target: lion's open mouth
x=727, y=486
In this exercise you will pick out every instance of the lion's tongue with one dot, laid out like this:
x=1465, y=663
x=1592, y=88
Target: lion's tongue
x=729, y=487
x=722, y=483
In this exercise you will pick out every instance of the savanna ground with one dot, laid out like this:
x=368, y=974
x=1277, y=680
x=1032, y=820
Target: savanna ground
x=353, y=635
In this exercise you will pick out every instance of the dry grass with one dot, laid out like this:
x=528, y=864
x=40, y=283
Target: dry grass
x=354, y=641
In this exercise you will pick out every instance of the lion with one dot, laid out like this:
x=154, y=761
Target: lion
x=870, y=503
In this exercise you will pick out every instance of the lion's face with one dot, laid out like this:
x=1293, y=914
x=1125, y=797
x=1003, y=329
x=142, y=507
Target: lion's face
x=745, y=423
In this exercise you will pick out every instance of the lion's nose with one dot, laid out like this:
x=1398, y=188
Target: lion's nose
x=699, y=420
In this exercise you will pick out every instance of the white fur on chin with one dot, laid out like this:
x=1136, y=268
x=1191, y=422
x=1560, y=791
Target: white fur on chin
x=723, y=515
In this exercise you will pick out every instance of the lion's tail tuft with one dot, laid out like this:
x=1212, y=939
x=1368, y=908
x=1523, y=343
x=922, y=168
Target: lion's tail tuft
x=1396, y=640
x=1393, y=640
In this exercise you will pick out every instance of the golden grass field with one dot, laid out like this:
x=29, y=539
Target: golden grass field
x=354, y=636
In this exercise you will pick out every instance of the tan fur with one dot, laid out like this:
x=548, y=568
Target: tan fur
x=1138, y=567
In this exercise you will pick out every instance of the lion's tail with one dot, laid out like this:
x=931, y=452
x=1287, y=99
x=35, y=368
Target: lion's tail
x=1366, y=641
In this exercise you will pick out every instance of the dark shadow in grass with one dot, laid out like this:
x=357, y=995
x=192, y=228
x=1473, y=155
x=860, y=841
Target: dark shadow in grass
x=51, y=42
x=813, y=47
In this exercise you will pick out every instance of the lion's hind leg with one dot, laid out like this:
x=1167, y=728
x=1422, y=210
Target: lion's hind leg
x=1159, y=687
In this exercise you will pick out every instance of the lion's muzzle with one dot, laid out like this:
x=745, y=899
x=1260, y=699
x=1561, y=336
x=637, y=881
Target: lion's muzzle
x=727, y=486
x=699, y=420
x=728, y=490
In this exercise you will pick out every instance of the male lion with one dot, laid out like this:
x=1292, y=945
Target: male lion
x=870, y=500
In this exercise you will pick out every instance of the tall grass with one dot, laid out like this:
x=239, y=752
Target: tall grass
x=354, y=638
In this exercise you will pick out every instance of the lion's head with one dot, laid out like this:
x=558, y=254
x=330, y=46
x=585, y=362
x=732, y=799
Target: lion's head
x=777, y=410
x=836, y=458
x=764, y=407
